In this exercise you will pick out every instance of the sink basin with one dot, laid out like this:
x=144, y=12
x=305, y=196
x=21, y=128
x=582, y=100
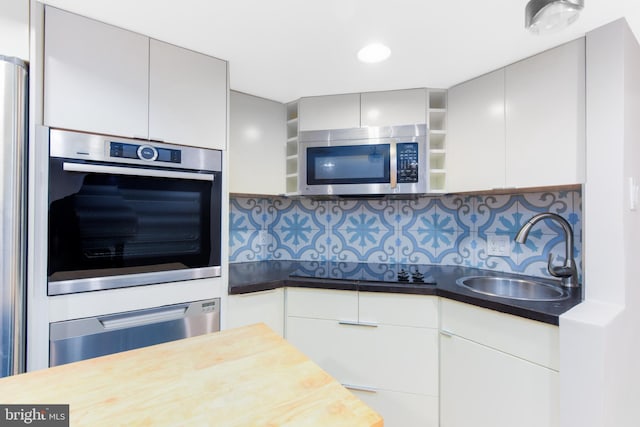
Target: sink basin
x=520, y=289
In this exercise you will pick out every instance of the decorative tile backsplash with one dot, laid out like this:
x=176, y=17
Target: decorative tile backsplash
x=446, y=230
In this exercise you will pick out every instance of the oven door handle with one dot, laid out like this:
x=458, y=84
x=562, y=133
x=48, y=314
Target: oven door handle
x=119, y=170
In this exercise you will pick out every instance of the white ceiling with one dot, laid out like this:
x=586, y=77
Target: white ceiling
x=285, y=49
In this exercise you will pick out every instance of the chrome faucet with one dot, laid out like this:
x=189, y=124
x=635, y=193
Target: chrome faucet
x=568, y=272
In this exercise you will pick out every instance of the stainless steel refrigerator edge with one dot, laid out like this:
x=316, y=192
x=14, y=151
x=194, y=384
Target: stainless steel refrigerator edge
x=13, y=150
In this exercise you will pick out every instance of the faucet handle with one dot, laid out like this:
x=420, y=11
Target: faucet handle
x=558, y=270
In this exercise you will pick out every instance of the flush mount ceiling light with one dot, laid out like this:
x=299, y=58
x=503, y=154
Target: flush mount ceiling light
x=548, y=16
x=374, y=52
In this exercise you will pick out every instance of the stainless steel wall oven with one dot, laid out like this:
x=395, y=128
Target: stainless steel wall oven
x=126, y=212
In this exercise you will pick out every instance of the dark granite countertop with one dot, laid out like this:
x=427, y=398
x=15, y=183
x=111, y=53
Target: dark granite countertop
x=247, y=277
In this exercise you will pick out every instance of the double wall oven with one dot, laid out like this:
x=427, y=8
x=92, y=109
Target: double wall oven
x=125, y=212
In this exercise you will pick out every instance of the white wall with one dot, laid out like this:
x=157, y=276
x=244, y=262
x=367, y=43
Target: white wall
x=599, y=340
x=14, y=28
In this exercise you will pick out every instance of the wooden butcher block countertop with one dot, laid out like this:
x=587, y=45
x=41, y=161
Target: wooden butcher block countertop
x=247, y=376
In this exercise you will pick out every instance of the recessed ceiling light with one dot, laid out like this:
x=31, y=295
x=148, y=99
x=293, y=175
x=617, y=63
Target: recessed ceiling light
x=374, y=52
x=548, y=16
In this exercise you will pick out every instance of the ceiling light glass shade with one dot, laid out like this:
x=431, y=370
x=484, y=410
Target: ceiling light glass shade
x=374, y=52
x=548, y=16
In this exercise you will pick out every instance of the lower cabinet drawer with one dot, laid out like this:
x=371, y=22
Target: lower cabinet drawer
x=397, y=358
x=402, y=409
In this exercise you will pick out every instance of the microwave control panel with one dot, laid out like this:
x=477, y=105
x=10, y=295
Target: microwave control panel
x=407, y=153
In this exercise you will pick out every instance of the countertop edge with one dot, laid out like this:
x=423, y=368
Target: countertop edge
x=478, y=302
x=516, y=308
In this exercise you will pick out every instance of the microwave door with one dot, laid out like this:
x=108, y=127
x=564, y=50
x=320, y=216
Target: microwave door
x=363, y=161
x=338, y=168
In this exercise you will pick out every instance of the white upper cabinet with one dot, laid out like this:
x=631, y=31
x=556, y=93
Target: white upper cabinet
x=14, y=28
x=476, y=135
x=95, y=76
x=395, y=107
x=520, y=126
x=329, y=112
x=388, y=108
x=187, y=97
x=103, y=79
x=545, y=129
x=256, y=145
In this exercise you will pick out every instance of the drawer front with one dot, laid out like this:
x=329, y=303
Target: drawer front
x=256, y=307
x=322, y=304
x=419, y=311
x=528, y=339
x=394, y=358
x=402, y=409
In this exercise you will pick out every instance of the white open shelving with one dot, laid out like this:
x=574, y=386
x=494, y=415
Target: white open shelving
x=291, y=176
x=437, y=138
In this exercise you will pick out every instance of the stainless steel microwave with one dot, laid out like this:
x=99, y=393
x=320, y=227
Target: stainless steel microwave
x=363, y=161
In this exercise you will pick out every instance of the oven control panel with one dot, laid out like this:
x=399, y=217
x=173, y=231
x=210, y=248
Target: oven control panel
x=145, y=152
x=407, y=153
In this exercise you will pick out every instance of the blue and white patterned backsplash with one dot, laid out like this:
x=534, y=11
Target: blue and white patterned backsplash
x=445, y=230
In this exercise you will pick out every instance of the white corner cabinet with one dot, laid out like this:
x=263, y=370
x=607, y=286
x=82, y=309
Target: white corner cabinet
x=383, y=347
x=104, y=79
x=256, y=307
x=256, y=145
x=496, y=369
x=520, y=126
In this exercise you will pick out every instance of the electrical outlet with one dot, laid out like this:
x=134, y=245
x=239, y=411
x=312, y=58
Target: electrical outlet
x=263, y=237
x=498, y=245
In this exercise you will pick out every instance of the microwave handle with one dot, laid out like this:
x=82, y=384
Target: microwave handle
x=393, y=167
x=119, y=170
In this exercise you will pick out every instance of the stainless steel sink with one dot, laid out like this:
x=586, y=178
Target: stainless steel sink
x=520, y=289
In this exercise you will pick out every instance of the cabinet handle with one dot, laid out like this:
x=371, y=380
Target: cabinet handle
x=352, y=323
x=248, y=294
x=446, y=333
x=359, y=388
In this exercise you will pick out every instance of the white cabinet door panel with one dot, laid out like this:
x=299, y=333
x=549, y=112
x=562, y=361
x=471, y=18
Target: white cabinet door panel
x=95, y=76
x=535, y=341
x=326, y=343
x=386, y=357
x=187, y=97
x=395, y=107
x=485, y=387
x=329, y=112
x=420, y=311
x=256, y=145
x=322, y=304
x=266, y=307
x=401, y=358
x=476, y=134
x=402, y=409
x=545, y=102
